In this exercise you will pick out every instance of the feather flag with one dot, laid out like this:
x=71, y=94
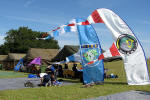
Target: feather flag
x=19, y=64
x=128, y=45
x=90, y=50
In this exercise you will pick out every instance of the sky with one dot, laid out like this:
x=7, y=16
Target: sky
x=45, y=15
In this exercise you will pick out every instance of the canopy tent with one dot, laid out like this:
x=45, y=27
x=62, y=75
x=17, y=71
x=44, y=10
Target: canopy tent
x=66, y=51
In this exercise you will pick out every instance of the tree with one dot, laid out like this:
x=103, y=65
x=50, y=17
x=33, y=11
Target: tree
x=20, y=40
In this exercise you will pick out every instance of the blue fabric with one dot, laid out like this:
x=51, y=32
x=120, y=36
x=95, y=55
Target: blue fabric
x=18, y=66
x=75, y=57
x=57, y=32
x=67, y=29
x=48, y=37
x=90, y=50
x=52, y=68
x=32, y=76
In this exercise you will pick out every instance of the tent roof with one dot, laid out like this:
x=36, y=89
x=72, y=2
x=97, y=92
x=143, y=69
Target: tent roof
x=15, y=56
x=66, y=51
x=109, y=59
x=3, y=57
x=46, y=54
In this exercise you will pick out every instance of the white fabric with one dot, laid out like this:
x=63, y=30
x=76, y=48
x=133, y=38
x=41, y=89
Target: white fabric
x=107, y=54
x=61, y=30
x=135, y=63
x=73, y=28
x=42, y=74
x=90, y=19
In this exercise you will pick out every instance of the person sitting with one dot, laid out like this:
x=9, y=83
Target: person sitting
x=45, y=78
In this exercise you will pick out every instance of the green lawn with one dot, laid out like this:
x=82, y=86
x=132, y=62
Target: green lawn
x=12, y=74
x=76, y=92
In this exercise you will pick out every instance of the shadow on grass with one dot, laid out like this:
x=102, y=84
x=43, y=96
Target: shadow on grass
x=143, y=92
x=69, y=80
x=116, y=83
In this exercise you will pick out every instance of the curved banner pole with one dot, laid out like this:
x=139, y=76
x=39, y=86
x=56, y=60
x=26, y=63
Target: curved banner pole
x=129, y=47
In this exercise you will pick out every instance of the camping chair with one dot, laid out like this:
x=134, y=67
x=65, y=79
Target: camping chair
x=31, y=81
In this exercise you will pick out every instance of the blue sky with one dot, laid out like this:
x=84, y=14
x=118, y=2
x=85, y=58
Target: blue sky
x=45, y=15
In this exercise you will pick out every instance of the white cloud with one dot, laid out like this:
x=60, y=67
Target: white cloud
x=28, y=3
x=2, y=39
x=36, y=20
x=68, y=39
x=85, y=3
x=27, y=19
x=146, y=22
x=145, y=41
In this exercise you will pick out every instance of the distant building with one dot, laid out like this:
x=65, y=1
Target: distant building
x=3, y=59
x=10, y=61
x=45, y=54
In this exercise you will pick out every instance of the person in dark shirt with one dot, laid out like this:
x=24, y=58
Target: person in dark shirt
x=46, y=78
x=66, y=66
x=60, y=71
x=74, y=68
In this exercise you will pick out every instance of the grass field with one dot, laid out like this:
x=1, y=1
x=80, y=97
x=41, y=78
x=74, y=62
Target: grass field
x=76, y=91
x=11, y=74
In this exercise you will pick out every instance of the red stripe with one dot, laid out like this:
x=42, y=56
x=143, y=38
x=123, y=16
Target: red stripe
x=91, y=62
x=114, y=50
x=71, y=25
x=85, y=23
x=96, y=17
x=101, y=57
x=56, y=29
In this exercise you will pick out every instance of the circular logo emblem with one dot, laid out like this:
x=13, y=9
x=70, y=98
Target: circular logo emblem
x=126, y=44
x=90, y=55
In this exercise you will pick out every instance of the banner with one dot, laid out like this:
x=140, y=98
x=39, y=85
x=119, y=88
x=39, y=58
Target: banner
x=129, y=47
x=19, y=64
x=90, y=50
x=68, y=27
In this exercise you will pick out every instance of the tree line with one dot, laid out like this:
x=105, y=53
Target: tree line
x=21, y=39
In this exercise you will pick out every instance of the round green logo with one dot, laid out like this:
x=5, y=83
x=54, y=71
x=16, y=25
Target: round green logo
x=90, y=55
x=126, y=44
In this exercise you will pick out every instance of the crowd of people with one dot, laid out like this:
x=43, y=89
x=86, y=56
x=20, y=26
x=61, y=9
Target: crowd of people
x=49, y=76
x=53, y=71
